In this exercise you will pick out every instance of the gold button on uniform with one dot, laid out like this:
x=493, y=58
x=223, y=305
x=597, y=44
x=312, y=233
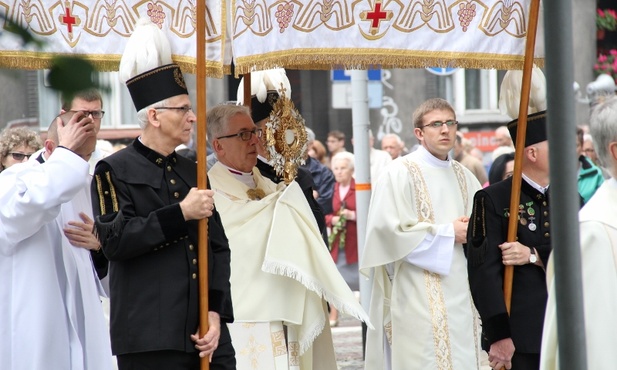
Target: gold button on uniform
x=169, y=168
x=546, y=224
x=194, y=261
x=194, y=276
x=176, y=194
x=545, y=213
x=173, y=181
x=191, y=247
x=546, y=235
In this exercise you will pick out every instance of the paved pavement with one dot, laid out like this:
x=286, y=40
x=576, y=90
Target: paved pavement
x=347, y=337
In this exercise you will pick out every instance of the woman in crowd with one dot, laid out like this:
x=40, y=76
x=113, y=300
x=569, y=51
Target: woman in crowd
x=318, y=151
x=17, y=145
x=502, y=168
x=343, y=238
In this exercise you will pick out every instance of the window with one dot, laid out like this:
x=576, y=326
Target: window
x=476, y=90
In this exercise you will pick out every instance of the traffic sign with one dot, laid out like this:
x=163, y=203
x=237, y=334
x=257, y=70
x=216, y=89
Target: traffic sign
x=341, y=75
x=440, y=71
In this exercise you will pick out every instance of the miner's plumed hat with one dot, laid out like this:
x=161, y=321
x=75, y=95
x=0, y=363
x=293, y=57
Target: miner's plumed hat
x=266, y=87
x=536, y=128
x=147, y=68
x=156, y=85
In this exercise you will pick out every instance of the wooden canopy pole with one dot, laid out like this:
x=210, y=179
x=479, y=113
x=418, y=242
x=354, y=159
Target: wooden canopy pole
x=202, y=179
x=521, y=131
x=247, y=90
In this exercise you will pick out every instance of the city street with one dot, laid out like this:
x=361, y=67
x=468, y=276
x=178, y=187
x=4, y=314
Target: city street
x=347, y=337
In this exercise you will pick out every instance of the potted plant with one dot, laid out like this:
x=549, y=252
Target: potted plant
x=606, y=20
x=606, y=63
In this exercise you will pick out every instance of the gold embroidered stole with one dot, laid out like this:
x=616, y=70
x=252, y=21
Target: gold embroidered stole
x=437, y=305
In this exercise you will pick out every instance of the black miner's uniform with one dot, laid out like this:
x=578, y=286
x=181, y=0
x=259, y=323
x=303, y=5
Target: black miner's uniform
x=153, y=254
x=488, y=228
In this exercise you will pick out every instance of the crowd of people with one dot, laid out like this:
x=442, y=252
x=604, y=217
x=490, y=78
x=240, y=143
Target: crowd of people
x=443, y=245
x=283, y=258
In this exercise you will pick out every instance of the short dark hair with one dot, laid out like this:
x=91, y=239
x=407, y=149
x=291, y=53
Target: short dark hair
x=496, y=172
x=429, y=106
x=88, y=95
x=340, y=135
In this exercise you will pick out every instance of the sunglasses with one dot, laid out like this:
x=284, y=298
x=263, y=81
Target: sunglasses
x=20, y=156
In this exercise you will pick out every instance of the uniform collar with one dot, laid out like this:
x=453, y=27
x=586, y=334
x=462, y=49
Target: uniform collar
x=535, y=185
x=153, y=156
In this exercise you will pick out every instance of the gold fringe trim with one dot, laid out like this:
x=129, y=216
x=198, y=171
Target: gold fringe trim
x=307, y=59
x=324, y=59
x=101, y=62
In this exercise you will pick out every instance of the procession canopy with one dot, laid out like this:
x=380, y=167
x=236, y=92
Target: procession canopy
x=298, y=34
x=98, y=31
x=360, y=34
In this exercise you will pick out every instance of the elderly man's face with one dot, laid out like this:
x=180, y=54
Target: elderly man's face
x=233, y=151
x=392, y=146
x=175, y=124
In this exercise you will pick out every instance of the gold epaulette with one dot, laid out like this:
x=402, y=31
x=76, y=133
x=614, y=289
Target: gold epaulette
x=108, y=201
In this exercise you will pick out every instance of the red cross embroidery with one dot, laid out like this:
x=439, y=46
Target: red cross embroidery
x=68, y=19
x=376, y=15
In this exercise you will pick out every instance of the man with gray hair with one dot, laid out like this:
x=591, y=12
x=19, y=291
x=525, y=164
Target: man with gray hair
x=147, y=204
x=392, y=144
x=281, y=270
x=598, y=243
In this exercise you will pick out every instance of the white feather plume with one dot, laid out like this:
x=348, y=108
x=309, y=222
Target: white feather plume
x=510, y=92
x=264, y=81
x=146, y=49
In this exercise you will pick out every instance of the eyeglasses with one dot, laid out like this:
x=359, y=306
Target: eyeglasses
x=244, y=135
x=184, y=109
x=20, y=156
x=438, y=124
x=96, y=114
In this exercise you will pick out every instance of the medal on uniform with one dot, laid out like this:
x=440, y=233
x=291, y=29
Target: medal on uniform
x=532, y=226
x=531, y=212
x=523, y=221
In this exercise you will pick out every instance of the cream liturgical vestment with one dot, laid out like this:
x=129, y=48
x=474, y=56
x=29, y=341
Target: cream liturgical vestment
x=421, y=305
x=50, y=312
x=281, y=273
x=598, y=235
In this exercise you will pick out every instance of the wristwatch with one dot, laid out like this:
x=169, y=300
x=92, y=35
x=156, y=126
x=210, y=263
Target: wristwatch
x=532, y=257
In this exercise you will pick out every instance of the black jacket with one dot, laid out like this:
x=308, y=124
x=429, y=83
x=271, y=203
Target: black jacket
x=488, y=227
x=153, y=251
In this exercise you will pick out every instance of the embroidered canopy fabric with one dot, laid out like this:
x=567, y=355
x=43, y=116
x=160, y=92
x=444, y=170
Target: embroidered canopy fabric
x=261, y=34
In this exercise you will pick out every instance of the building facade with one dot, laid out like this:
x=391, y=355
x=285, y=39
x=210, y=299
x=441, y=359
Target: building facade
x=474, y=94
